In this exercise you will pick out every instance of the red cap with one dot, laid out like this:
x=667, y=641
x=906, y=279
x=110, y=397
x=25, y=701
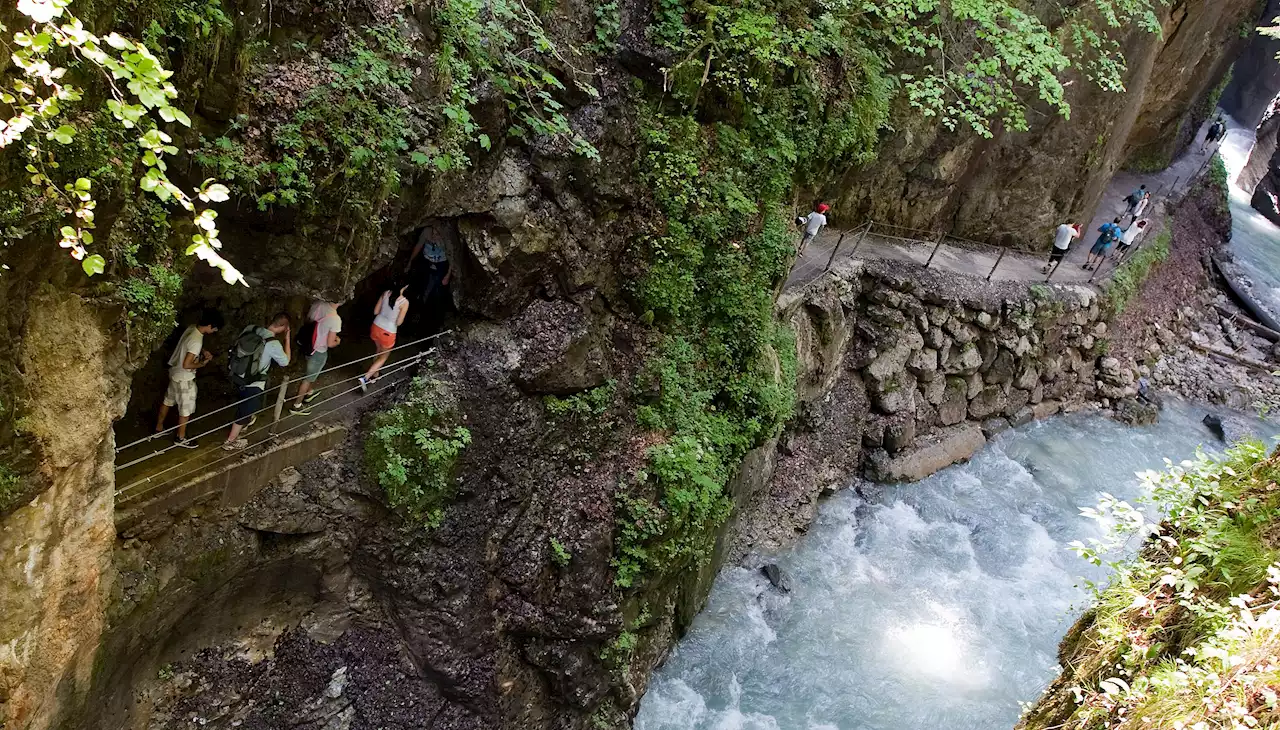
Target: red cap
x=823, y=207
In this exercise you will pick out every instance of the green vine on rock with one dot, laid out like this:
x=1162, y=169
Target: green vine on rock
x=138, y=90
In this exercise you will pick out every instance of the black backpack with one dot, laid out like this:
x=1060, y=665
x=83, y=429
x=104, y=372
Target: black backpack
x=245, y=357
x=307, y=339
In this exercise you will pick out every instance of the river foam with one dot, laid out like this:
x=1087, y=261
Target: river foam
x=937, y=604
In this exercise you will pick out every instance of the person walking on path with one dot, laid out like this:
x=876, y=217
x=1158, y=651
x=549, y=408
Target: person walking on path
x=1127, y=239
x=1134, y=199
x=388, y=315
x=1141, y=207
x=1216, y=131
x=1062, y=238
x=429, y=269
x=1109, y=233
x=188, y=357
x=323, y=337
x=812, y=224
x=255, y=350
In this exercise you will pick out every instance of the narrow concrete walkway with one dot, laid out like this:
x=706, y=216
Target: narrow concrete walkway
x=149, y=469
x=976, y=259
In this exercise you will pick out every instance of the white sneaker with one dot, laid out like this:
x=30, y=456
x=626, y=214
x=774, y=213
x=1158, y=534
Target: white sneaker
x=237, y=445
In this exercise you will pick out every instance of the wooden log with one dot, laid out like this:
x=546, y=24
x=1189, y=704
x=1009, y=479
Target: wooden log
x=1260, y=330
x=1233, y=358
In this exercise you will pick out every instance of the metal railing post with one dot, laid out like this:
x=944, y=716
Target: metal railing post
x=997, y=265
x=865, y=230
x=835, y=250
x=936, y=246
x=281, y=397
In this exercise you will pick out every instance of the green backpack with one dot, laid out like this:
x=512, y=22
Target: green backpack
x=245, y=357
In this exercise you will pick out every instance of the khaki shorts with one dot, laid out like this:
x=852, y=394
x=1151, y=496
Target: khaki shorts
x=181, y=393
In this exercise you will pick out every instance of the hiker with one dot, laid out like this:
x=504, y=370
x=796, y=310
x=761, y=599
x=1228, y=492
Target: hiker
x=251, y=357
x=812, y=224
x=1134, y=199
x=388, y=315
x=429, y=268
x=322, y=336
x=1141, y=207
x=1062, y=238
x=1131, y=234
x=1109, y=232
x=188, y=357
x=1216, y=131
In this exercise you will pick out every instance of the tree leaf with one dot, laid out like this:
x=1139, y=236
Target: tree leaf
x=217, y=192
x=94, y=264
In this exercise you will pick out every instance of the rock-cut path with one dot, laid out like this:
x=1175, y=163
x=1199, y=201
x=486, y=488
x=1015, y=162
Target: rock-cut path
x=975, y=259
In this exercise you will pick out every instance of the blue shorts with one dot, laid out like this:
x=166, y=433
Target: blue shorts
x=315, y=363
x=1100, y=247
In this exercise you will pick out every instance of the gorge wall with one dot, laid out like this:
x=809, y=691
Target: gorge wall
x=545, y=247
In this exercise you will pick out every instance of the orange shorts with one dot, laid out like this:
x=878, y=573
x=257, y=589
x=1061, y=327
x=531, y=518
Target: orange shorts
x=383, y=339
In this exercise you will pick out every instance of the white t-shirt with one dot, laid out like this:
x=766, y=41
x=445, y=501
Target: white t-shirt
x=386, y=319
x=1129, y=236
x=1142, y=205
x=193, y=342
x=1062, y=239
x=325, y=315
x=814, y=223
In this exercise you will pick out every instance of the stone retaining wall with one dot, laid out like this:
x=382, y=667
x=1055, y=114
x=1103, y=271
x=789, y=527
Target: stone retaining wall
x=945, y=361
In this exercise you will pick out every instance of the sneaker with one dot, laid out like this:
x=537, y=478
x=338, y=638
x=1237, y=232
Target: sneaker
x=237, y=445
x=252, y=420
x=298, y=410
x=310, y=397
x=186, y=443
x=364, y=384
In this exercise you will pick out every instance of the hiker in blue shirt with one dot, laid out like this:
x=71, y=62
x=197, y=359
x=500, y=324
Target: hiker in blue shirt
x=1109, y=233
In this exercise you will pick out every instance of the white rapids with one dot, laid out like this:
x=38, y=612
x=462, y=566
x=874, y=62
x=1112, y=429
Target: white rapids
x=938, y=604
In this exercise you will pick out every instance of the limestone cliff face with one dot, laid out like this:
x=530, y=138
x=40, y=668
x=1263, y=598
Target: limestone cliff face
x=57, y=572
x=1014, y=188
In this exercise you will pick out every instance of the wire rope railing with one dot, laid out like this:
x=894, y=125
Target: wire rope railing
x=158, y=434
x=126, y=493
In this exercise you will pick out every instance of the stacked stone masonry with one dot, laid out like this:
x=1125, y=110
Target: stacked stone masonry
x=947, y=362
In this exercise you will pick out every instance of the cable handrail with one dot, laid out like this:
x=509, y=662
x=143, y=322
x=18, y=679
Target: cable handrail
x=123, y=491
x=221, y=426
x=339, y=366
x=133, y=497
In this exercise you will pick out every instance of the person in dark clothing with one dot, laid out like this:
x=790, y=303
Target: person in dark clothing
x=1216, y=131
x=428, y=268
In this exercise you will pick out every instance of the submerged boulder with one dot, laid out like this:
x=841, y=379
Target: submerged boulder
x=779, y=579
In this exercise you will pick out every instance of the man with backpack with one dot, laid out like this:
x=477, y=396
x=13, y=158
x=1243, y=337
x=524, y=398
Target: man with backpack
x=255, y=349
x=324, y=334
x=1216, y=131
x=1109, y=233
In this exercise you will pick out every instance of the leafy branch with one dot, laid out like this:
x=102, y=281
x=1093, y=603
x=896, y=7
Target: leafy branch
x=138, y=87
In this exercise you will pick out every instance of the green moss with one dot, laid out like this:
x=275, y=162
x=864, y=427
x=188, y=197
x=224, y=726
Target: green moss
x=583, y=407
x=412, y=449
x=1149, y=161
x=10, y=487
